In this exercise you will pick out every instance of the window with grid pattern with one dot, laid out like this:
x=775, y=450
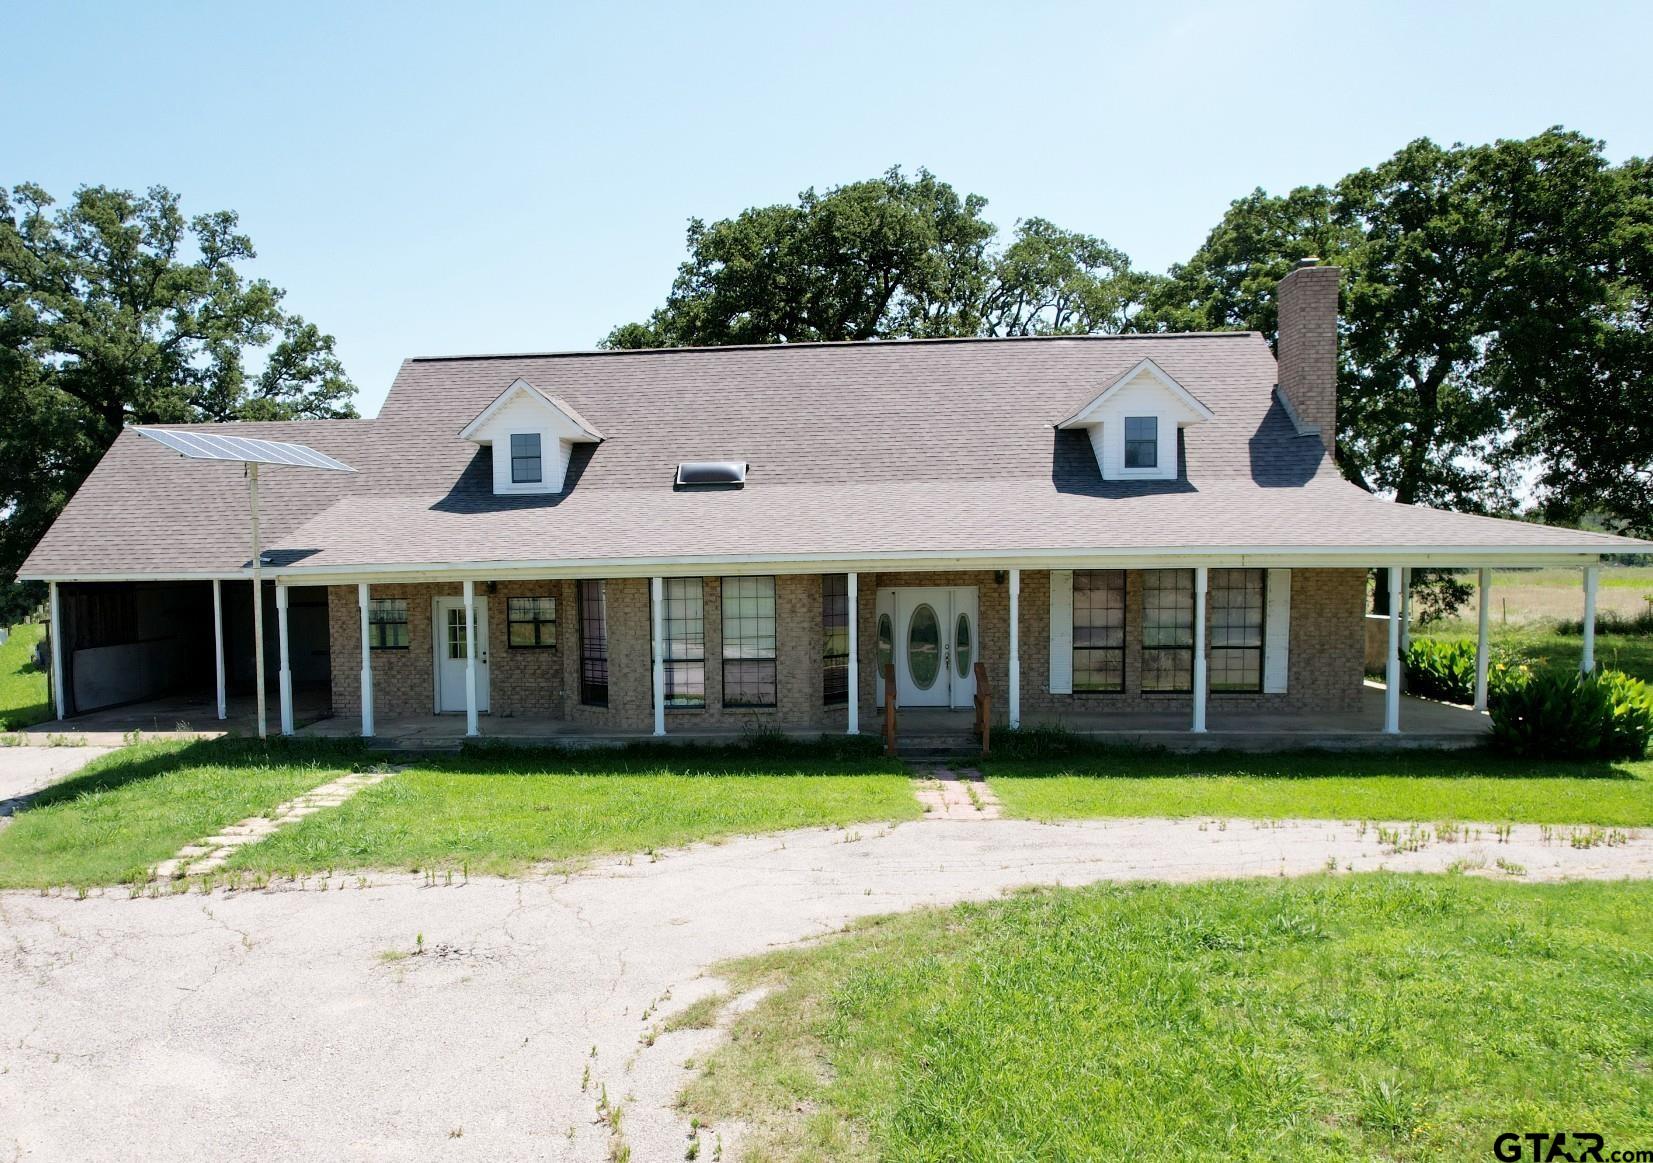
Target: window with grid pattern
x=1098, y=630
x=685, y=642
x=1168, y=630
x=1237, y=605
x=526, y=467
x=835, y=639
x=593, y=644
x=749, y=642
x=387, y=624
x=1142, y=442
x=531, y=623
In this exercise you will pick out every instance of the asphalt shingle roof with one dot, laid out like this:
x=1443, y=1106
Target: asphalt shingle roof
x=871, y=448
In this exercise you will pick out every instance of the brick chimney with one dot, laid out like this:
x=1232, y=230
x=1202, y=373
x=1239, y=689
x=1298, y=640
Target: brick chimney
x=1307, y=346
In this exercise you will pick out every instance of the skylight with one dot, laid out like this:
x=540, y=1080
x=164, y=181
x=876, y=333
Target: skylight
x=712, y=472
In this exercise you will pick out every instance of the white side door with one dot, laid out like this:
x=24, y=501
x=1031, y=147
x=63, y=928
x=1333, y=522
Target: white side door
x=449, y=635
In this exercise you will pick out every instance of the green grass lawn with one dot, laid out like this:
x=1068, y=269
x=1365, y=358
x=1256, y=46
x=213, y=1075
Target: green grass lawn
x=1377, y=785
x=22, y=685
x=117, y=817
x=498, y=811
x=1361, y=1017
x=1631, y=653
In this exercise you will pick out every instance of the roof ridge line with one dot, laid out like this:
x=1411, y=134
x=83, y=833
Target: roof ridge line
x=816, y=345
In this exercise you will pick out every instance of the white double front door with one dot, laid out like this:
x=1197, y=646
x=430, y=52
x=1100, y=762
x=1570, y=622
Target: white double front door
x=449, y=638
x=932, y=636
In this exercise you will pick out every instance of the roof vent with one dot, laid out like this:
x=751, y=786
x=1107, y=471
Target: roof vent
x=712, y=472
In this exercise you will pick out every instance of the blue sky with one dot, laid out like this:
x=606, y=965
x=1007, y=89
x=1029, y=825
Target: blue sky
x=435, y=179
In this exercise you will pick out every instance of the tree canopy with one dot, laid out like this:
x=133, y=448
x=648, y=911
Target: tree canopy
x=115, y=310
x=1496, y=348
x=889, y=258
x=1496, y=344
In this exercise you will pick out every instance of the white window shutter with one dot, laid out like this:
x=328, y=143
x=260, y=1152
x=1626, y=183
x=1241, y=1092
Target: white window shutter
x=1061, y=631
x=1277, y=633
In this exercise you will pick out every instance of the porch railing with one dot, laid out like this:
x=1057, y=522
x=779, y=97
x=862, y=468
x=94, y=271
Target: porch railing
x=984, y=708
x=889, y=708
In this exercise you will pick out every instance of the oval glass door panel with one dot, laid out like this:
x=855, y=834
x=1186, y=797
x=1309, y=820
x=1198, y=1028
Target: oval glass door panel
x=961, y=646
x=886, y=643
x=924, y=646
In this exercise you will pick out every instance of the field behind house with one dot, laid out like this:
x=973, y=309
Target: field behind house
x=1528, y=596
x=23, y=695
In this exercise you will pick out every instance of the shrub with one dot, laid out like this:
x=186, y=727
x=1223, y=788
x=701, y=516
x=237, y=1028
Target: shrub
x=1441, y=668
x=1607, y=715
x=1639, y=624
x=1444, y=669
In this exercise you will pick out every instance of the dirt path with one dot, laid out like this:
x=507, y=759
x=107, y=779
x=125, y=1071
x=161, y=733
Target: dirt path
x=393, y=1020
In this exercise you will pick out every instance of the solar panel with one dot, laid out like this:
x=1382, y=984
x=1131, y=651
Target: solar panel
x=241, y=449
x=711, y=472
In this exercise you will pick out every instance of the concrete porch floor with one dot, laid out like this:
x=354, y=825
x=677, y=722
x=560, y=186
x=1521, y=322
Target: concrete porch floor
x=193, y=714
x=1423, y=724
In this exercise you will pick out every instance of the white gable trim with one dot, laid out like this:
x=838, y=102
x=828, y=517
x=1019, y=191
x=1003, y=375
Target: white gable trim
x=583, y=432
x=1087, y=414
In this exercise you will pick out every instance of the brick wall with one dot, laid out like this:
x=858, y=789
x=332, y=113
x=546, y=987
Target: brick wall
x=1327, y=647
x=522, y=682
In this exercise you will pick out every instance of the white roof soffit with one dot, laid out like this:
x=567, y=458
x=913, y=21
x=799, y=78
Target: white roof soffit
x=241, y=449
x=1159, y=375
x=584, y=432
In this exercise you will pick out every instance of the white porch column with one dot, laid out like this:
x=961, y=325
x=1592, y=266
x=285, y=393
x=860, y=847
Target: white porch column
x=657, y=619
x=218, y=644
x=285, y=675
x=365, y=602
x=1587, y=661
x=59, y=696
x=472, y=730
x=1482, y=635
x=854, y=659
x=1013, y=691
x=1391, y=669
x=1202, y=583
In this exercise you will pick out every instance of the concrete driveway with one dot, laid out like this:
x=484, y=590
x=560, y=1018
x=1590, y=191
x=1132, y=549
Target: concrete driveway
x=289, y=1025
x=25, y=770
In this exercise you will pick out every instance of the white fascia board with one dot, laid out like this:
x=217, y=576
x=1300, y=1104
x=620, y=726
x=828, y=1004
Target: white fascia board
x=1154, y=372
x=1348, y=557
x=221, y=575
x=581, y=431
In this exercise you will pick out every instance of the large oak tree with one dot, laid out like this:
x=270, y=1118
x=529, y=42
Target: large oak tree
x=888, y=258
x=116, y=310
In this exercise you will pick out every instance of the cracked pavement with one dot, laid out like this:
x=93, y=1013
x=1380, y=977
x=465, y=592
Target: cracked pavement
x=313, y=1021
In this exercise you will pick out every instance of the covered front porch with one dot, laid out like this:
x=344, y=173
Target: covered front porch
x=926, y=730
x=1243, y=653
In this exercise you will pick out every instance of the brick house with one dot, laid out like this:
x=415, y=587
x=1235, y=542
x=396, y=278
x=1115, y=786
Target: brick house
x=688, y=541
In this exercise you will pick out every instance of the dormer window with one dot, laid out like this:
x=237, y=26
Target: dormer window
x=525, y=459
x=532, y=436
x=1134, y=422
x=1142, y=442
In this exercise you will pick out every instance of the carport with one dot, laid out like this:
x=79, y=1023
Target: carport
x=176, y=643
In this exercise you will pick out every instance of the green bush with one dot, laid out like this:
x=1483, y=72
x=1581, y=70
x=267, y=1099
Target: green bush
x=1607, y=715
x=1441, y=668
x=1444, y=669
